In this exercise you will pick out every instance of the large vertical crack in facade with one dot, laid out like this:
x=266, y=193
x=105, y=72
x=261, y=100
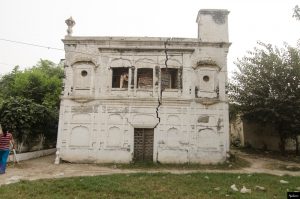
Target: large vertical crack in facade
x=166, y=53
x=162, y=89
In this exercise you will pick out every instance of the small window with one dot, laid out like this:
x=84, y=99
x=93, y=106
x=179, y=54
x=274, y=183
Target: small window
x=169, y=78
x=145, y=78
x=84, y=73
x=206, y=78
x=120, y=78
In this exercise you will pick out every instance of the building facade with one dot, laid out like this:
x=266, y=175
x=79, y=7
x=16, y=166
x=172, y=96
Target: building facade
x=146, y=99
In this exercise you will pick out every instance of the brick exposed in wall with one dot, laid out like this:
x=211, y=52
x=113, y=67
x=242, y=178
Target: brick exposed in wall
x=169, y=78
x=145, y=78
x=165, y=80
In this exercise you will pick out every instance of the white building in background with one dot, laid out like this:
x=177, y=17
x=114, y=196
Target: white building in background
x=146, y=98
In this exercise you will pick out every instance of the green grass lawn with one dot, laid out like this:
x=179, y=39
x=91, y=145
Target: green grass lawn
x=159, y=185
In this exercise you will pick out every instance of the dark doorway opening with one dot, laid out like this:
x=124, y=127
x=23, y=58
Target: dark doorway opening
x=143, y=144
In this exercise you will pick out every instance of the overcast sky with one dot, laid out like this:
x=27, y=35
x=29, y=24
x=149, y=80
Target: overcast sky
x=43, y=23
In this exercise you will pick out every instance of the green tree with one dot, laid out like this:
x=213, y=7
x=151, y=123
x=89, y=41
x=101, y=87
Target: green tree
x=6, y=83
x=27, y=119
x=41, y=83
x=29, y=102
x=266, y=89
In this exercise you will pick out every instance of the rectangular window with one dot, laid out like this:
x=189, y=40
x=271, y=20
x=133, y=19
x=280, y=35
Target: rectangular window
x=169, y=78
x=120, y=78
x=145, y=78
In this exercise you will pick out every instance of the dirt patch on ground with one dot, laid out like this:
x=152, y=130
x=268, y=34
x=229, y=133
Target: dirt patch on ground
x=44, y=167
x=263, y=163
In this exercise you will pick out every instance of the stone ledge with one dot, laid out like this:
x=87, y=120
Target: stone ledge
x=31, y=155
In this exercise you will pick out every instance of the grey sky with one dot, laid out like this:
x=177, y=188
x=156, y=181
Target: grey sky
x=42, y=22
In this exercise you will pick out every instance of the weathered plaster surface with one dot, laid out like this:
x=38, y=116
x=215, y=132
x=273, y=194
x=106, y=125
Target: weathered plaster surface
x=97, y=121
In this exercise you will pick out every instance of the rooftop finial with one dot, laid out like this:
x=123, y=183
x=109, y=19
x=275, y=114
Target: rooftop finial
x=70, y=23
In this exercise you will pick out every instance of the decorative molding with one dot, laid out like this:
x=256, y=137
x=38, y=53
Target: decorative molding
x=78, y=59
x=208, y=62
x=208, y=101
x=119, y=62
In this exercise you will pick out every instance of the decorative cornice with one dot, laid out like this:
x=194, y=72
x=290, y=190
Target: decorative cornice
x=151, y=101
x=143, y=43
x=144, y=49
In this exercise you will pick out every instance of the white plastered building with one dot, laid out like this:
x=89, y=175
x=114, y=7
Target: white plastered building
x=146, y=98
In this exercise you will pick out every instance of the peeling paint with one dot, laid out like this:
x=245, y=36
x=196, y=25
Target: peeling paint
x=188, y=117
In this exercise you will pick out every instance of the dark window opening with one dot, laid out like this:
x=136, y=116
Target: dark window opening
x=206, y=78
x=169, y=78
x=84, y=73
x=120, y=78
x=145, y=78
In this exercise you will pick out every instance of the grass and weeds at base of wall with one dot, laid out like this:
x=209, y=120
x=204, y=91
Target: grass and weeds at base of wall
x=158, y=185
x=233, y=163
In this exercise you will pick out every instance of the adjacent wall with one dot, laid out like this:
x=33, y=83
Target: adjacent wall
x=257, y=136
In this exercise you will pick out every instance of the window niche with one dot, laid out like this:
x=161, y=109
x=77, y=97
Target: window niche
x=120, y=77
x=169, y=78
x=83, y=79
x=145, y=78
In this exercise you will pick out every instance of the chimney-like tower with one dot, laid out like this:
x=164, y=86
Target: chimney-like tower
x=213, y=25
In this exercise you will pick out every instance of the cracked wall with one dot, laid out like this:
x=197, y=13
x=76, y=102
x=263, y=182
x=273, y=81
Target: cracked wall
x=120, y=84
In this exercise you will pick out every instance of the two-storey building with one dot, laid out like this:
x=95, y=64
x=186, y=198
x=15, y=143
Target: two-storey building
x=144, y=98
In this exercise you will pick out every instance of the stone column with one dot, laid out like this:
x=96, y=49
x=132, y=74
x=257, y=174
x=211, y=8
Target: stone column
x=135, y=80
x=129, y=80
